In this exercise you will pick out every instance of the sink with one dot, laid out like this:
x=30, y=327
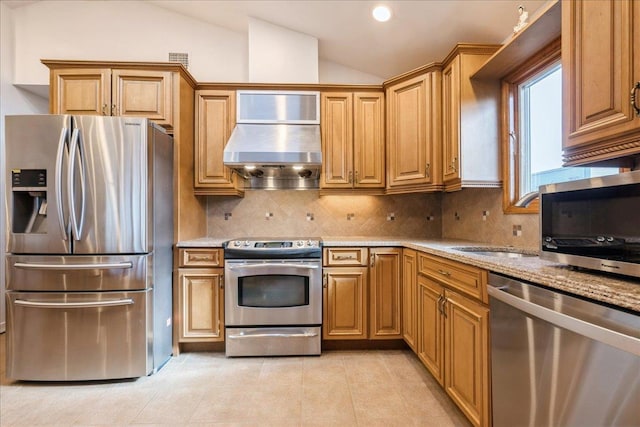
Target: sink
x=498, y=252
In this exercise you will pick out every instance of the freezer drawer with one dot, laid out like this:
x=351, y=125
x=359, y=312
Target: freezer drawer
x=78, y=272
x=78, y=336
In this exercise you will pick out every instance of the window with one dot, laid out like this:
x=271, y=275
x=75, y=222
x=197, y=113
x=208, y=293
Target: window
x=532, y=130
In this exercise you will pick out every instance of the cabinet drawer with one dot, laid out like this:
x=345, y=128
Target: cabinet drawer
x=469, y=280
x=201, y=257
x=345, y=256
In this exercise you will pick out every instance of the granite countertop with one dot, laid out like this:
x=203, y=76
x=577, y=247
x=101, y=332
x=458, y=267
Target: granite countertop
x=610, y=289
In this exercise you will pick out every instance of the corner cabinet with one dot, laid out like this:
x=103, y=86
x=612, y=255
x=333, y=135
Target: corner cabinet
x=361, y=293
x=215, y=119
x=413, y=132
x=113, y=92
x=601, y=75
x=353, y=147
x=199, y=296
x=453, y=332
x=470, y=121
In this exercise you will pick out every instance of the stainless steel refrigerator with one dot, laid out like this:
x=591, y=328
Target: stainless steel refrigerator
x=89, y=210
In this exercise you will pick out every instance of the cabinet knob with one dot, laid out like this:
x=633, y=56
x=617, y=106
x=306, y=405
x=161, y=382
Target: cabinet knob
x=105, y=111
x=372, y=259
x=427, y=172
x=114, y=110
x=633, y=98
x=356, y=177
x=324, y=280
x=350, y=177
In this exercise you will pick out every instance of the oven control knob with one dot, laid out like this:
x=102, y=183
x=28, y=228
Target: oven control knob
x=246, y=243
x=299, y=243
x=236, y=243
x=310, y=243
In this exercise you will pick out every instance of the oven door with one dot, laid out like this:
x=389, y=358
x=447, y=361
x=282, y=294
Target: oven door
x=273, y=292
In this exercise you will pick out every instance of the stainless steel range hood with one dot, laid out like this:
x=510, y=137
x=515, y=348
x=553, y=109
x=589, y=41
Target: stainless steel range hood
x=276, y=142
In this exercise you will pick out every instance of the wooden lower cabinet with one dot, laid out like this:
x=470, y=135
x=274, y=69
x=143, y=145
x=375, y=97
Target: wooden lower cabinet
x=453, y=344
x=361, y=293
x=201, y=304
x=430, y=345
x=198, y=296
x=344, y=298
x=384, y=284
x=466, y=351
x=409, y=291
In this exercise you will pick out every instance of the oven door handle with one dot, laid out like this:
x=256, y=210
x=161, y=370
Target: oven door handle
x=275, y=335
x=250, y=266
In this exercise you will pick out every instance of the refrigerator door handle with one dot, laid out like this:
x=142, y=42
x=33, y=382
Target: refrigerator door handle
x=96, y=266
x=88, y=304
x=76, y=150
x=62, y=144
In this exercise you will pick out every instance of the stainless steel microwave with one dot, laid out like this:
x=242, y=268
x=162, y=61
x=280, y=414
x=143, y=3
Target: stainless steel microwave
x=593, y=223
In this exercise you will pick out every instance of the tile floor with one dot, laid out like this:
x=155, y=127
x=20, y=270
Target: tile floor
x=339, y=388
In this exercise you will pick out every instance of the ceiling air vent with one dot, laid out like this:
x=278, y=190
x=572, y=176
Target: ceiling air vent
x=182, y=58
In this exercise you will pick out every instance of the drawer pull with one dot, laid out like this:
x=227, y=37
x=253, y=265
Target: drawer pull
x=343, y=257
x=196, y=257
x=444, y=273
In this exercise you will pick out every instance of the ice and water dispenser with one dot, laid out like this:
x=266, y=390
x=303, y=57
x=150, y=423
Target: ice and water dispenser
x=29, y=211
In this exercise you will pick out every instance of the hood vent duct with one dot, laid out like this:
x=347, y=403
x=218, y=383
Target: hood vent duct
x=276, y=141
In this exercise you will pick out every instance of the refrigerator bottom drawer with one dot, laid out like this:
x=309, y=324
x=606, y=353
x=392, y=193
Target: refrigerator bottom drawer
x=78, y=336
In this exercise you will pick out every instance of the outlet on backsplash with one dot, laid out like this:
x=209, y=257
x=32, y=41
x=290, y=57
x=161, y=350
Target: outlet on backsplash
x=456, y=216
x=268, y=215
x=350, y=216
x=430, y=217
x=485, y=214
x=391, y=217
x=227, y=215
x=309, y=216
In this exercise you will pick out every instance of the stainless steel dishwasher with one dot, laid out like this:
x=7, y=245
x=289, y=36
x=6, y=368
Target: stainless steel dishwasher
x=558, y=360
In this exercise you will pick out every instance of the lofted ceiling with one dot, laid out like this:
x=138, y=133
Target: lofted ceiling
x=419, y=32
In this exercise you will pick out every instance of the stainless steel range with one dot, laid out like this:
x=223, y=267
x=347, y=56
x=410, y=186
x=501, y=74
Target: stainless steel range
x=273, y=297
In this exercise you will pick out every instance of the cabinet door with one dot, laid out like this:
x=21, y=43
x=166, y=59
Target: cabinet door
x=81, y=91
x=337, y=140
x=201, y=304
x=431, y=327
x=409, y=298
x=601, y=65
x=384, y=296
x=143, y=93
x=215, y=118
x=451, y=121
x=368, y=140
x=345, y=311
x=409, y=155
x=466, y=356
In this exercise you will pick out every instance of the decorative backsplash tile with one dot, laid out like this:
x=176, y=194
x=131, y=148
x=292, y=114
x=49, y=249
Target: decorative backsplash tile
x=297, y=213
x=476, y=214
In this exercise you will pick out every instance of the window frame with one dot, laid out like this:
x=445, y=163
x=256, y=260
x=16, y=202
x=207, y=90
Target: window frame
x=544, y=59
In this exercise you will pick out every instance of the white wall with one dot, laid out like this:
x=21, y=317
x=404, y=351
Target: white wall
x=332, y=72
x=122, y=31
x=145, y=32
x=279, y=55
x=12, y=101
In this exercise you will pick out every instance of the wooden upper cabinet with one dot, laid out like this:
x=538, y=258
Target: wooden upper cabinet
x=113, y=92
x=215, y=119
x=413, y=134
x=470, y=118
x=368, y=140
x=80, y=91
x=143, y=93
x=601, y=66
x=353, y=140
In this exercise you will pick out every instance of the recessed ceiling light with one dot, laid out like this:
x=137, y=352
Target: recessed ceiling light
x=381, y=13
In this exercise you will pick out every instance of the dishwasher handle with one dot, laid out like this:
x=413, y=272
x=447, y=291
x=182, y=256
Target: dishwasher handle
x=598, y=333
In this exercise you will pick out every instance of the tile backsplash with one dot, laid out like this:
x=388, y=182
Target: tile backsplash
x=470, y=214
x=476, y=214
x=304, y=213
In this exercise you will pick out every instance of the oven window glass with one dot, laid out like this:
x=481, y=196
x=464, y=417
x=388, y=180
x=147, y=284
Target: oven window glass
x=275, y=290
